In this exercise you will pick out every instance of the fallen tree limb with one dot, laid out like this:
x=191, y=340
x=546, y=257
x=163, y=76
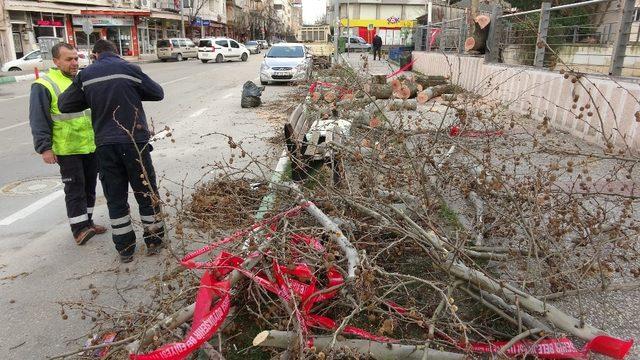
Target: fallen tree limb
x=377, y=350
x=484, y=282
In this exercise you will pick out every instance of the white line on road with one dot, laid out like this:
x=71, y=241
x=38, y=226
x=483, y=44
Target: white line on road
x=175, y=80
x=13, y=126
x=15, y=97
x=198, y=113
x=31, y=208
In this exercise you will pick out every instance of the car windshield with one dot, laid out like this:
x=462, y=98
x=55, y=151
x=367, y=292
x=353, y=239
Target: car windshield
x=251, y=43
x=163, y=43
x=205, y=43
x=286, y=52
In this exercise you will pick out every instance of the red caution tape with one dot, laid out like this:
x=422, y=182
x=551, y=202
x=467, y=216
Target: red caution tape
x=206, y=321
x=560, y=348
x=342, y=90
x=456, y=131
x=402, y=69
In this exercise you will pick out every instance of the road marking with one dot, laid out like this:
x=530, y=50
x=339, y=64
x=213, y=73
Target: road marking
x=13, y=126
x=175, y=80
x=15, y=97
x=21, y=214
x=198, y=113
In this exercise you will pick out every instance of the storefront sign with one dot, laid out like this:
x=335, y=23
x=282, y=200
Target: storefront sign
x=103, y=20
x=49, y=23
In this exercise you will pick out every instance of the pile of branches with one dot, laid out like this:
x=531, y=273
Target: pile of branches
x=453, y=223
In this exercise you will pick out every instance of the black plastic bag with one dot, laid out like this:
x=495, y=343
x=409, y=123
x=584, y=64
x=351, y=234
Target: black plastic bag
x=251, y=95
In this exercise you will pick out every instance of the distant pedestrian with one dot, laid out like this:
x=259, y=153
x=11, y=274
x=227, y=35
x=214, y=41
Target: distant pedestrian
x=66, y=139
x=114, y=90
x=377, y=47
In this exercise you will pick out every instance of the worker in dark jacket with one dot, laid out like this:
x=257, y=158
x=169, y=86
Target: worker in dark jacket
x=377, y=47
x=114, y=90
x=66, y=139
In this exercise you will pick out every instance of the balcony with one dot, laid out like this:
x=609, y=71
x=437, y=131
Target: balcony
x=166, y=5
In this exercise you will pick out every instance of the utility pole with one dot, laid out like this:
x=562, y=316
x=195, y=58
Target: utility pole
x=336, y=28
x=182, y=18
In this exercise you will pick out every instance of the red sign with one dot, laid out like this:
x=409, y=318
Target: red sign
x=49, y=23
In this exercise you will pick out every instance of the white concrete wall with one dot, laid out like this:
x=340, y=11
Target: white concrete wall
x=544, y=93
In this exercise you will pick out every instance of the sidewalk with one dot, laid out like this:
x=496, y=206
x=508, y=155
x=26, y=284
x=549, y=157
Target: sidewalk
x=374, y=67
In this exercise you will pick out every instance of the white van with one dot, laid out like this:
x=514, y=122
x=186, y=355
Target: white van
x=176, y=48
x=221, y=49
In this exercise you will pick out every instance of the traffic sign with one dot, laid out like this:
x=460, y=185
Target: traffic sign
x=87, y=27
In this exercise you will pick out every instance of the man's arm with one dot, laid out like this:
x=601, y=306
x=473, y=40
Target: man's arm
x=149, y=90
x=72, y=100
x=40, y=121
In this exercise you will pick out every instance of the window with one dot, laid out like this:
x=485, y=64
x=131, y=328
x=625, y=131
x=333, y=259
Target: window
x=205, y=43
x=286, y=52
x=234, y=44
x=190, y=43
x=163, y=44
x=636, y=14
x=182, y=42
x=353, y=41
x=174, y=42
x=34, y=55
x=222, y=43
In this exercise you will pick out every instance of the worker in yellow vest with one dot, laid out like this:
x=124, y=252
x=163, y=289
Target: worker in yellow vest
x=66, y=139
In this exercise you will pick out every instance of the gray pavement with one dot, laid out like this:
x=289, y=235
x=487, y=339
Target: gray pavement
x=39, y=261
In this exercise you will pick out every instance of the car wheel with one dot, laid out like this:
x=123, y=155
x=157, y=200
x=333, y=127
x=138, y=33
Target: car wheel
x=15, y=69
x=244, y=57
x=219, y=58
x=179, y=57
x=163, y=60
x=204, y=61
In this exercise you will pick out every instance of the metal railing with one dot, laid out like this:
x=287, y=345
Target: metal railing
x=594, y=36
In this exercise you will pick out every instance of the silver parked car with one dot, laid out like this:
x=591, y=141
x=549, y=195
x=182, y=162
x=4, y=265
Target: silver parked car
x=252, y=46
x=285, y=62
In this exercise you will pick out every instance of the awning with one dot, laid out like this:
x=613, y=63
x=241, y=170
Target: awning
x=33, y=6
x=166, y=15
x=56, y=8
x=110, y=11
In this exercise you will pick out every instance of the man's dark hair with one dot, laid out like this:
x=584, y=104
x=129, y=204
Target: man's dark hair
x=55, y=50
x=103, y=45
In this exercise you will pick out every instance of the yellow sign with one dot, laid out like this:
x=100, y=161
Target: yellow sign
x=377, y=23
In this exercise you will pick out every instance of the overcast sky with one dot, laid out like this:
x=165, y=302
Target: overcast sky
x=312, y=10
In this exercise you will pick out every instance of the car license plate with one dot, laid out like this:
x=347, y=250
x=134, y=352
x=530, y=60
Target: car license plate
x=281, y=73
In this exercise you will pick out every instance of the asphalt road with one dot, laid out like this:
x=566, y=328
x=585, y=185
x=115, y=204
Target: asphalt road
x=40, y=265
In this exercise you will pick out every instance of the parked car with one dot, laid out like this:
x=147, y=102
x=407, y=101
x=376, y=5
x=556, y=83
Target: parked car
x=28, y=62
x=34, y=60
x=253, y=47
x=263, y=44
x=176, y=48
x=356, y=43
x=285, y=62
x=221, y=49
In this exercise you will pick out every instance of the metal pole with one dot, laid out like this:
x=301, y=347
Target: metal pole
x=491, y=55
x=543, y=28
x=336, y=28
x=182, y=18
x=622, y=40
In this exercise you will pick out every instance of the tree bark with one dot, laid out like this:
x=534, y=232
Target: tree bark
x=377, y=350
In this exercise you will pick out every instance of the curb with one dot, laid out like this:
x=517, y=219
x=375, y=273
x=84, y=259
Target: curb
x=19, y=78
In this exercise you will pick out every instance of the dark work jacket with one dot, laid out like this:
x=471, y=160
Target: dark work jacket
x=114, y=90
x=377, y=41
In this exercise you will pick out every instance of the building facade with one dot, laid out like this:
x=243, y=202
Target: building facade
x=391, y=19
x=133, y=25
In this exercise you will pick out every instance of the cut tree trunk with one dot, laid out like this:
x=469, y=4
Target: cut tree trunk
x=477, y=41
x=376, y=350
